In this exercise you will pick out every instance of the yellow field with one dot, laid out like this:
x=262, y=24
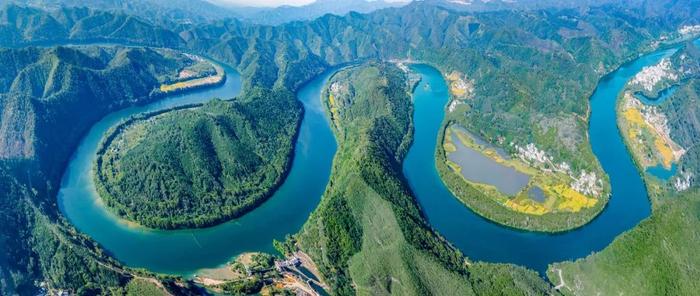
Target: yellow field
x=165, y=88
x=456, y=90
x=572, y=200
x=527, y=207
x=635, y=128
x=455, y=167
x=449, y=147
x=665, y=152
x=559, y=197
x=333, y=108
x=172, y=87
x=633, y=115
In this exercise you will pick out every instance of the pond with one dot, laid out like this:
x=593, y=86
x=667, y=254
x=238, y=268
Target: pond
x=479, y=168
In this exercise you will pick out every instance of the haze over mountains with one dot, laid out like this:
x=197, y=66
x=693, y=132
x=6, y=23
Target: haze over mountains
x=176, y=12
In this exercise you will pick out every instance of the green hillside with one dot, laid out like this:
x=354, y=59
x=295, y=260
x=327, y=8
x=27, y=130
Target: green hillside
x=658, y=257
x=49, y=97
x=531, y=74
x=21, y=25
x=201, y=166
x=368, y=235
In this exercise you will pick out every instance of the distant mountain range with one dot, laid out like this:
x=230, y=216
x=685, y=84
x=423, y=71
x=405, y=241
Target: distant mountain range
x=284, y=14
x=178, y=12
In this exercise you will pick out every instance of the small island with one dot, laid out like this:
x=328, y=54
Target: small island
x=197, y=166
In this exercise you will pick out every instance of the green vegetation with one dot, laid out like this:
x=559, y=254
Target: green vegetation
x=23, y=25
x=658, y=257
x=243, y=287
x=665, y=134
x=532, y=71
x=139, y=287
x=199, y=166
x=368, y=235
x=492, y=204
x=49, y=97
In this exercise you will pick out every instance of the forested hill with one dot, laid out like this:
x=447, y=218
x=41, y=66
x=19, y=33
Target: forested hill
x=658, y=257
x=49, y=97
x=163, y=12
x=200, y=166
x=21, y=25
x=368, y=235
x=526, y=66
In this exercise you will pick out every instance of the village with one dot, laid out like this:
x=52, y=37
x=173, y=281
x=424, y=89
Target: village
x=265, y=274
x=587, y=183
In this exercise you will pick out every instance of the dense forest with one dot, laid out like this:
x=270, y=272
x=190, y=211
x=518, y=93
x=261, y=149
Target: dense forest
x=658, y=257
x=368, y=235
x=49, y=97
x=682, y=108
x=199, y=166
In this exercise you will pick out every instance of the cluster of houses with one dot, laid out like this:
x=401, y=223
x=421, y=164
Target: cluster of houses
x=587, y=183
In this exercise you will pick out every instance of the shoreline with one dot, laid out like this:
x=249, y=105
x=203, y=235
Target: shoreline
x=114, y=132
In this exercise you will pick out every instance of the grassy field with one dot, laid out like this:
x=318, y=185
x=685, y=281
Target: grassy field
x=197, y=81
x=139, y=287
x=648, y=147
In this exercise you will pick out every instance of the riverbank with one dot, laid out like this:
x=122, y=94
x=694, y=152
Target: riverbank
x=181, y=252
x=560, y=212
x=188, y=85
x=483, y=240
x=216, y=126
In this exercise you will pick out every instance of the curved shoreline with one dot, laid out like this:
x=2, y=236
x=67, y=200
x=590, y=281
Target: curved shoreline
x=114, y=132
x=183, y=252
x=448, y=176
x=159, y=252
x=483, y=240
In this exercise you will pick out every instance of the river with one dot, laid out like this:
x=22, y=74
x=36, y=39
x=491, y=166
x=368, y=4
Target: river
x=480, y=239
x=184, y=252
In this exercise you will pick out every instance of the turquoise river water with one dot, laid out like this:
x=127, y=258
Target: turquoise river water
x=186, y=251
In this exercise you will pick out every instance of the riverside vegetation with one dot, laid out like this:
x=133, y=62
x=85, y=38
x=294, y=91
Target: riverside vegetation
x=658, y=114
x=199, y=166
x=368, y=236
x=569, y=49
x=45, y=111
x=658, y=257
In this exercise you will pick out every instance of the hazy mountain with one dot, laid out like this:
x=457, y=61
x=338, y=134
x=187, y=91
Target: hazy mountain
x=166, y=12
x=284, y=14
x=22, y=25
